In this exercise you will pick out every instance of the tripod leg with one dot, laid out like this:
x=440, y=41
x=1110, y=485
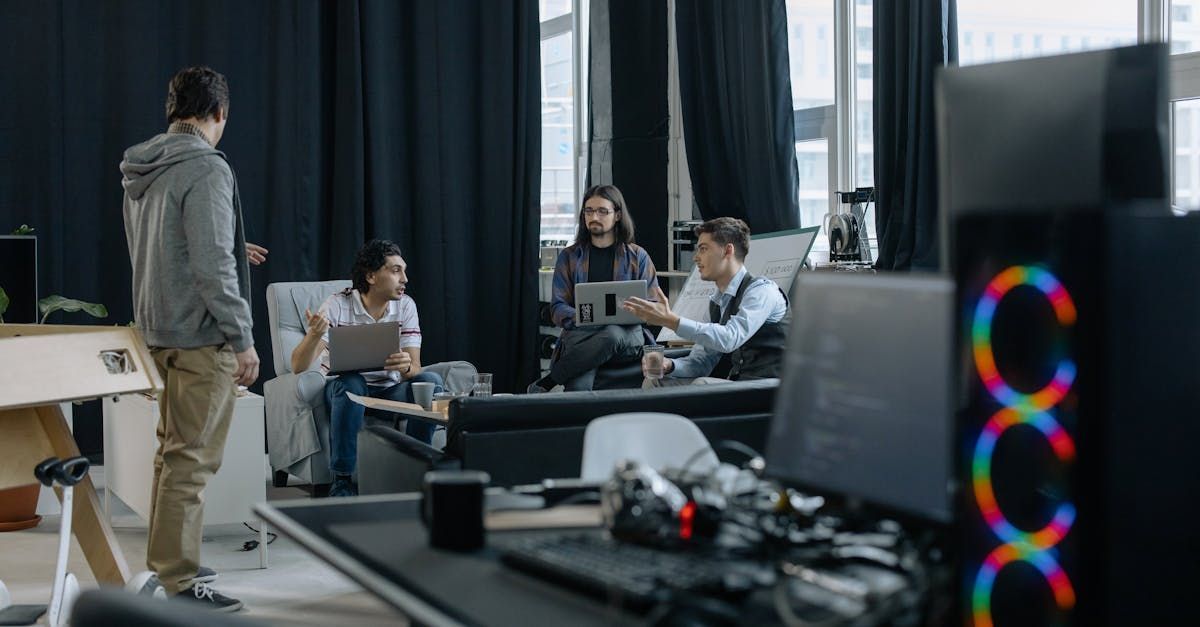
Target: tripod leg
x=56, y=616
x=89, y=525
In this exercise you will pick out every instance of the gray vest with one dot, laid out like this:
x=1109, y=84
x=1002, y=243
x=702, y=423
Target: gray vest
x=760, y=356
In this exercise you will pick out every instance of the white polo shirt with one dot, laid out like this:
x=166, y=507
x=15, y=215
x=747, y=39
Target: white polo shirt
x=346, y=309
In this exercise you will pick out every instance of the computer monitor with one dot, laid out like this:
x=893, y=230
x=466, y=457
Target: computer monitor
x=1086, y=131
x=864, y=408
x=18, y=277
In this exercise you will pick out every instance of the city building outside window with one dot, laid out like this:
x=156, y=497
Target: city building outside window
x=558, y=193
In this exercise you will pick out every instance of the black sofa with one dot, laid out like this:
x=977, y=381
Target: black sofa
x=526, y=438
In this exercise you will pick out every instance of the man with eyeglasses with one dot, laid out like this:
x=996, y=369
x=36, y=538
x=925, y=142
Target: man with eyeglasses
x=603, y=251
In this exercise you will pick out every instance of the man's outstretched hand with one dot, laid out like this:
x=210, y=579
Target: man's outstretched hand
x=656, y=311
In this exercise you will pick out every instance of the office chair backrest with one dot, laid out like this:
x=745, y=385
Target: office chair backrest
x=654, y=439
x=286, y=303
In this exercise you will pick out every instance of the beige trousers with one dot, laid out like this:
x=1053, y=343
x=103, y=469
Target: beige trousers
x=195, y=410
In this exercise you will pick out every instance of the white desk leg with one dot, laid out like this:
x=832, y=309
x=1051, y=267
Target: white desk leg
x=262, y=544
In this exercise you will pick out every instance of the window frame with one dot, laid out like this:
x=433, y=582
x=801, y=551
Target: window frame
x=576, y=23
x=836, y=123
x=1153, y=25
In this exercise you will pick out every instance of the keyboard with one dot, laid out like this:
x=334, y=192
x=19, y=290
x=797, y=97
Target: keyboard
x=633, y=575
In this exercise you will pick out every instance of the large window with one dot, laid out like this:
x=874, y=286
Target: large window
x=864, y=105
x=1186, y=164
x=558, y=193
x=1184, y=25
x=830, y=93
x=998, y=31
x=550, y=9
x=811, y=59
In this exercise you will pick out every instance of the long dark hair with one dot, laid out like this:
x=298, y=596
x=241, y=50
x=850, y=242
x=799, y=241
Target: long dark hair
x=623, y=227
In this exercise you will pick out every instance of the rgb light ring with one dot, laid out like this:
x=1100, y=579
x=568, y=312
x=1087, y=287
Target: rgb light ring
x=1037, y=548
x=981, y=477
x=981, y=337
x=1005, y=554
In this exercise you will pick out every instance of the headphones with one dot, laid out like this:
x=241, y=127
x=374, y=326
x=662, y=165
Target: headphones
x=67, y=472
x=640, y=505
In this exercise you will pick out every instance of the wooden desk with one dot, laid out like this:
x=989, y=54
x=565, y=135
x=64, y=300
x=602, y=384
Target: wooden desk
x=42, y=366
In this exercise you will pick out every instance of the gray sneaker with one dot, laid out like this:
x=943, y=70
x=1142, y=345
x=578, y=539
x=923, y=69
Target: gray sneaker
x=146, y=583
x=201, y=595
x=205, y=575
x=152, y=586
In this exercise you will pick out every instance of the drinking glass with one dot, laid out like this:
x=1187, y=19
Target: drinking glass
x=653, y=361
x=483, y=384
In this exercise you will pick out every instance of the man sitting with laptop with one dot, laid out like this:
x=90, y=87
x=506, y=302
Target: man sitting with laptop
x=747, y=329
x=597, y=330
x=377, y=298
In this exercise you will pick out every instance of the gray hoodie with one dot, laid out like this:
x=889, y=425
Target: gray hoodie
x=183, y=222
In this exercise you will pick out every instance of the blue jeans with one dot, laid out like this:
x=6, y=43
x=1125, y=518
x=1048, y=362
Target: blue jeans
x=346, y=416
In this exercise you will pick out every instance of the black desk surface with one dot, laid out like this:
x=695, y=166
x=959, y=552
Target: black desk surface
x=430, y=586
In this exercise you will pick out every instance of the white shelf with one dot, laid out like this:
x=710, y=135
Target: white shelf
x=130, y=444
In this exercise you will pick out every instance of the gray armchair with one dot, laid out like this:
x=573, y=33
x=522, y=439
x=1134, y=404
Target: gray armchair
x=296, y=416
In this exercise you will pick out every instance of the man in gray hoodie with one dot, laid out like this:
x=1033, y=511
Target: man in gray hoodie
x=191, y=293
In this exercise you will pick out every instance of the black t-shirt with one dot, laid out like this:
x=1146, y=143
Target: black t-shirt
x=600, y=264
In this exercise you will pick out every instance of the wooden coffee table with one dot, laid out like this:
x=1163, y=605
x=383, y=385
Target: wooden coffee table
x=410, y=410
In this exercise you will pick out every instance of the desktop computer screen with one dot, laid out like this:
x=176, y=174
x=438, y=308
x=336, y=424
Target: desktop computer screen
x=1077, y=132
x=864, y=409
x=18, y=277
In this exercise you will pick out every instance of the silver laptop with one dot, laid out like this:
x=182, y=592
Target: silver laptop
x=600, y=303
x=362, y=347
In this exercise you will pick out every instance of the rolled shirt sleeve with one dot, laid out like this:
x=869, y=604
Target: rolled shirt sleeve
x=758, y=303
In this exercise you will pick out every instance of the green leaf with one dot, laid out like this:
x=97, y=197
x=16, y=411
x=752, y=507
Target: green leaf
x=51, y=304
x=3, y=303
x=24, y=229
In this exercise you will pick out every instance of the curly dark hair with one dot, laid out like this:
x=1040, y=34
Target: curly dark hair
x=370, y=258
x=197, y=92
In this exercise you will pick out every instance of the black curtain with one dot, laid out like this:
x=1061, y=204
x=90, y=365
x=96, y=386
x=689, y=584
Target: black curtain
x=912, y=39
x=641, y=119
x=737, y=110
x=413, y=121
x=636, y=87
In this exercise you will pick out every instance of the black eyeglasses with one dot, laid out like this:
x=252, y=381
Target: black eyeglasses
x=604, y=211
